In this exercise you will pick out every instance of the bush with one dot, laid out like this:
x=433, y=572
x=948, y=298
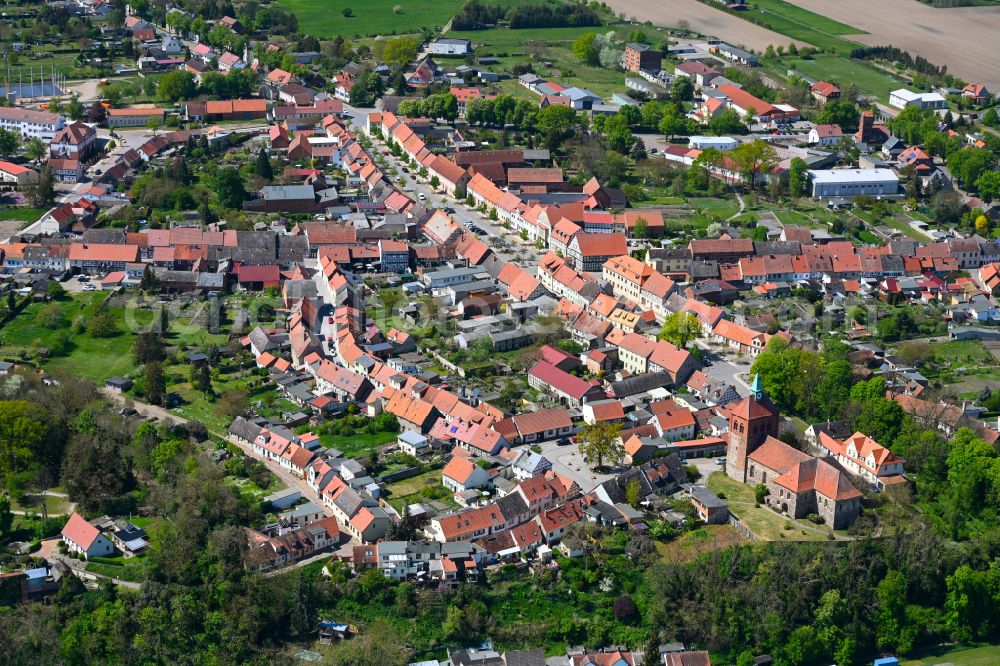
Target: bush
x=815, y=518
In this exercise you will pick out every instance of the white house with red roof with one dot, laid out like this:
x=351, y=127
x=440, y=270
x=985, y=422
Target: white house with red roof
x=83, y=538
x=825, y=135
x=462, y=474
x=863, y=456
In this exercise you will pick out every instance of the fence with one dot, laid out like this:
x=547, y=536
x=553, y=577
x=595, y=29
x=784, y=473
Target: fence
x=399, y=475
x=742, y=528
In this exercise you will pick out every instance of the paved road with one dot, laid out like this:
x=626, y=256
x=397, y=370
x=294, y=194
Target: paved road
x=506, y=244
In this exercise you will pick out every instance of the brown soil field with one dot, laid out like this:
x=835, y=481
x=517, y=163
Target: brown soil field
x=703, y=19
x=963, y=38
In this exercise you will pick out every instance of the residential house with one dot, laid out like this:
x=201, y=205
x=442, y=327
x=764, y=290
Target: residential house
x=83, y=538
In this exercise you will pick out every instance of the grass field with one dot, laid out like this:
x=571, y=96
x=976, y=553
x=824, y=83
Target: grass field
x=692, y=544
x=959, y=656
x=553, y=45
x=88, y=357
x=764, y=522
x=324, y=18
x=21, y=214
x=407, y=491
x=357, y=444
x=844, y=71
x=33, y=503
x=802, y=24
x=806, y=17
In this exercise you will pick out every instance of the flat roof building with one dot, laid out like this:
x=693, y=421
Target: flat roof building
x=854, y=182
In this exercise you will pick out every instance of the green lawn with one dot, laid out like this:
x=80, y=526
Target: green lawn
x=690, y=545
x=88, y=357
x=962, y=351
x=959, y=656
x=407, y=491
x=804, y=16
x=359, y=443
x=765, y=523
x=133, y=570
x=324, y=18
x=20, y=214
x=904, y=228
x=54, y=505
x=553, y=45
x=843, y=71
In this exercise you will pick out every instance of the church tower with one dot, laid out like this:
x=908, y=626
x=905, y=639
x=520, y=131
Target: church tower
x=753, y=419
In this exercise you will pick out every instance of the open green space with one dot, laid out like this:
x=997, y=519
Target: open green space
x=962, y=351
x=904, y=228
x=764, y=522
x=325, y=18
x=844, y=71
x=691, y=544
x=34, y=503
x=420, y=488
x=84, y=355
x=806, y=17
x=544, y=45
x=131, y=569
x=25, y=214
x=986, y=655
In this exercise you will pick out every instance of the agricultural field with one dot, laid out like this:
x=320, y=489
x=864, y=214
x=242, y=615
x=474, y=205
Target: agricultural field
x=802, y=24
x=957, y=37
x=704, y=19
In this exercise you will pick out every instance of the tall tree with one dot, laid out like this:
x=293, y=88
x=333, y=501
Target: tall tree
x=156, y=385
x=263, y=165
x=798, y=178
x=754, y=159
x=680, y=328
x=600, y=443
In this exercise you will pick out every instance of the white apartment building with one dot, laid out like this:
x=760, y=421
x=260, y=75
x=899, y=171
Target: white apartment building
x=30, y=123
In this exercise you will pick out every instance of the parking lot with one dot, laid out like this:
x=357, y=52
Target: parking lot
x=80, y=283
x=567, y=461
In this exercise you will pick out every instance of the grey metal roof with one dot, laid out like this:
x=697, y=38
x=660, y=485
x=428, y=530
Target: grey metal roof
x=287, y=192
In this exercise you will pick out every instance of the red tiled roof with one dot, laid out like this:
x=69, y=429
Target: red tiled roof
x=80, y=532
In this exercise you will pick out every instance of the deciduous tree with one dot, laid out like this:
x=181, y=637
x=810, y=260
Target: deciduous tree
x=600, y=443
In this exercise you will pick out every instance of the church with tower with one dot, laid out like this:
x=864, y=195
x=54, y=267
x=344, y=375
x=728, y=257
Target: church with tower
x=798, y=484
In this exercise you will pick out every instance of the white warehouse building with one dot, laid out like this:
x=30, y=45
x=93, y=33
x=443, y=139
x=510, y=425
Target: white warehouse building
x=854, y=182
x=717, y=142
x=903, y=98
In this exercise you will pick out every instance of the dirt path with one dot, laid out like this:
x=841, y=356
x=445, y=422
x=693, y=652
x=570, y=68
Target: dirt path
x=703, y=19
x=963, y=38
